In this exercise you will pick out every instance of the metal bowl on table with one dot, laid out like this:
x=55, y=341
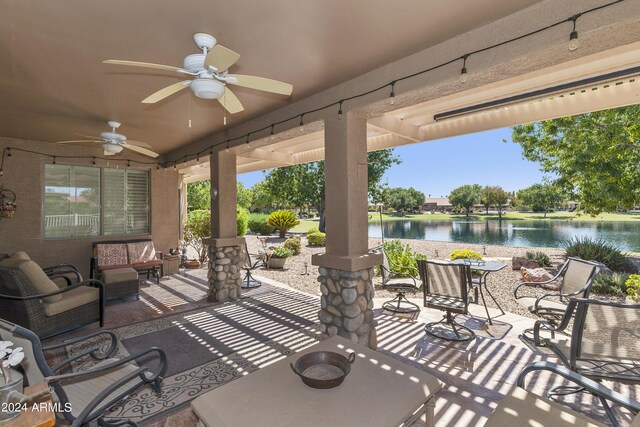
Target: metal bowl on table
x=323, y=369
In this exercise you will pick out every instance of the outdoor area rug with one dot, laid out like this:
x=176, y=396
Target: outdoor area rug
x=211, y=346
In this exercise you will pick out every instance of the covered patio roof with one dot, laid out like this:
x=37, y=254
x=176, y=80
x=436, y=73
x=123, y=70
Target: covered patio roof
x=562, y=90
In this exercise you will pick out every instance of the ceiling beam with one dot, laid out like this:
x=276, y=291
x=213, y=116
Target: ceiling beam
x=283, y=159
x=397, y=127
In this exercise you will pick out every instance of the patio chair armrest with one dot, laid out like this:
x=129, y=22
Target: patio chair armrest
x=61, y=271
x=88, y=282
x=96, y=352
x=521, y=284
x=162, y=366
x=590, y=385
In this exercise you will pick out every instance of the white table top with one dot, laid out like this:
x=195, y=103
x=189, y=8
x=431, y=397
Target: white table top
x=379, y=391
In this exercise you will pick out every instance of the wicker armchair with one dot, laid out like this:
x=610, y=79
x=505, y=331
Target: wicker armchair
x=88, y=393
x=51, y=310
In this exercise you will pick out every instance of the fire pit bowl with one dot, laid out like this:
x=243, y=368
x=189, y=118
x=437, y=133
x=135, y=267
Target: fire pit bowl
x=323, y=369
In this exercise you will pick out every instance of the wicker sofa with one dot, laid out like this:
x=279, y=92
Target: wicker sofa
x=139, y=254
x=32, y=299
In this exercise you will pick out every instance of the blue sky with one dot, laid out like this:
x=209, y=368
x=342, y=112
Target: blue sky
x=437, y=167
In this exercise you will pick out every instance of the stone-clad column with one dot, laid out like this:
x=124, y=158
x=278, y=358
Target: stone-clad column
x=346, y=268
x=226, y=250
x=224, y=272
x=347, y=305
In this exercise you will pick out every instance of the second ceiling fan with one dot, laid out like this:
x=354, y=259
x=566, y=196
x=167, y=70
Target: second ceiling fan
x=210, y=69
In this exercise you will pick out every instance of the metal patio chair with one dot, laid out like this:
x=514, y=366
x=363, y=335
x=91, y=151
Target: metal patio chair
x=576, y=277
x=400, y=283
x=88, y=394
x=521, y=407
x=249, y=281
x=446, y=287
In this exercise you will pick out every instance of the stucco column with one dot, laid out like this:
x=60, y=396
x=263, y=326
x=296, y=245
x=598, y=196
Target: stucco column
x=346, y=273
x=226, y=250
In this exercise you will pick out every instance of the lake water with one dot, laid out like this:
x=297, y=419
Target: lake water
x=534, y=233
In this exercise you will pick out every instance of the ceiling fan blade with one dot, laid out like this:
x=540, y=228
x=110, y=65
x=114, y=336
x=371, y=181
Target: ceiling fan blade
x=261, y=83
x=142, y=64
x=76, y=141
x=167, y=91
x=138, y=143
x=108, y=153
x=221, y=58
x=230, y=102
x=141, y=150
x=88, y=136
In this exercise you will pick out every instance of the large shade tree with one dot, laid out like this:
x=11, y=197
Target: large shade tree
x=541, y=197
x=302, y=185
x=595, y=156
x=403, y=199
x=466, y=196
x=494, y=196
x=199, y=195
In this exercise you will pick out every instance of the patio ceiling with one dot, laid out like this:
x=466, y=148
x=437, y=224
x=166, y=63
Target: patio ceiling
x=53, y=82
x=417, y=124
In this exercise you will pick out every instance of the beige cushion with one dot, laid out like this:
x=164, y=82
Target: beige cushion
x=72, y=299
x=521, y=408
x=35, y=275
x=21, y=255
x=529, y=302
x=141, y=251
x=119, y=275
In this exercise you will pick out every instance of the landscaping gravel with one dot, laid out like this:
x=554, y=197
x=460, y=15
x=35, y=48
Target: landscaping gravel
x=300, y=274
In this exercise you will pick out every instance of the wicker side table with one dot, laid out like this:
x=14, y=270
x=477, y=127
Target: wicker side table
x=121, y=283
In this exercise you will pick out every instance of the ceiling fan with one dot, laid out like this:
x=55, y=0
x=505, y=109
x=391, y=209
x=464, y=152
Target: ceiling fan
x=113, y=142
x=210, y=69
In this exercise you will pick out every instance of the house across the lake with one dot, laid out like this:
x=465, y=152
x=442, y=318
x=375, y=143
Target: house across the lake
x=437, y=204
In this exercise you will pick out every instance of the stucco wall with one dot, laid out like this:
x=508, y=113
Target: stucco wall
x=23, y=174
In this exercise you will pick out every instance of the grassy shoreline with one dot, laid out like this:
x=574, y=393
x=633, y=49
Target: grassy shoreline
x=511, y=216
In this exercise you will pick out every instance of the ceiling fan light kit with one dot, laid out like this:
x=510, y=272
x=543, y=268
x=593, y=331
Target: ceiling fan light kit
x=207, y=88
x=112, y=148
x=210, y=69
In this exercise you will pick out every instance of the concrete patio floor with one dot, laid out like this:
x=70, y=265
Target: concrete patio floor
x=476, y=374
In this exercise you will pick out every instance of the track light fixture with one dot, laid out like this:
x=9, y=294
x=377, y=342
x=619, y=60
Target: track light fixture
x=340, y=110
x=54, y=160
x=302, y=122
x=94, y=161
x=247, y=141
x=8, y=152
x=227, y=149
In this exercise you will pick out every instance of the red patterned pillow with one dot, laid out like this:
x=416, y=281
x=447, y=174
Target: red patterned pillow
x=141, y=252
x=111, y=254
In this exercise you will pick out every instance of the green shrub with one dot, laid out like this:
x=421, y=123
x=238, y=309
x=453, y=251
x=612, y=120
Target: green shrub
x=313, y=231
x=281, y=252
x=598, y=250
x=198, y=226
x=242, y=220
x=294, y=244
x=610, y=284
x=258, y=224
x=633, y=287
x=541, y=257
x=317, y=239
x=465, y=254
x=283, y=221
x=402, y=255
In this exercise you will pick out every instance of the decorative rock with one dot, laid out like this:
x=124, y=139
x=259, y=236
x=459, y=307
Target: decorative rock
x=362, y=302
x=516, y=262
x=348, y=283
x=351, y=310
x=331, y=285
x=220, y=255
x=324, y=290
x=531, y=263
x=336, y=301
x=332, y=331
x=224, y=273
x=361, y=287
x=218, y=268
x=223, y=261
x=349, y=295
x=352, y=325
x=324, y=316
x=331, y=309
x=221, y=276
x=534, y=275
x=364, y=276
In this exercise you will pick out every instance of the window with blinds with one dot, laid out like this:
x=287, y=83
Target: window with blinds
x=87, y=201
